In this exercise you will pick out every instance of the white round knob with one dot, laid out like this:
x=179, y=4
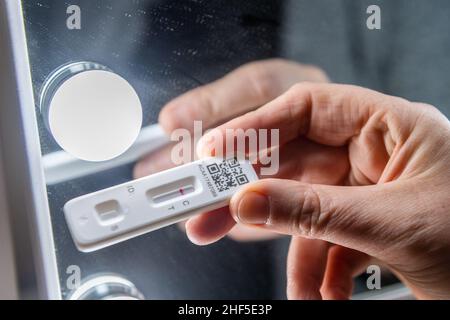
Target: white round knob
x=94, y=115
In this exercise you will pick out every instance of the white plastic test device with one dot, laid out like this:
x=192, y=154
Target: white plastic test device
x=116, y=214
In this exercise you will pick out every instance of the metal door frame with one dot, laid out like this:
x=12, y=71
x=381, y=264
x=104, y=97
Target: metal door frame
x=27, y=206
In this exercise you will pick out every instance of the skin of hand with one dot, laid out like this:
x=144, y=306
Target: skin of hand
x=348, y=153
x=239, y=92
x=384, y=196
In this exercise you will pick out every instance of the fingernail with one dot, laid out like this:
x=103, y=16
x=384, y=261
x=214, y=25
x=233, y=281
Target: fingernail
x=253, y=208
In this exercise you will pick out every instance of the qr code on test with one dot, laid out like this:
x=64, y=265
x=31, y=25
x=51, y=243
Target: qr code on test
x=227, y=174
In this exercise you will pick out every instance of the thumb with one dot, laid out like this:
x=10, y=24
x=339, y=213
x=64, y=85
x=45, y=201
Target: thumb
x=369, y=218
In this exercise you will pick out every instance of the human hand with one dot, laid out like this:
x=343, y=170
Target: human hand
x=391, y=160
x=239, y=92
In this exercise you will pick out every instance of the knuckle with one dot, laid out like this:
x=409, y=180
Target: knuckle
x=297, y=104
x=313, y=213
x=292, y=96
x=299, y=88
x=262, y=80
x=316, y=74
x=426, y=107
x=430, y=112
x=199, y=106
x=298, y=93
x=205, y=106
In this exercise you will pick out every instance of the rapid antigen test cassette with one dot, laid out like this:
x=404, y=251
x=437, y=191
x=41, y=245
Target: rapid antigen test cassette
x=109, y=216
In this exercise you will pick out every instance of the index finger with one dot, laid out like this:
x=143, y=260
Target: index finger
x=244, y=89
x=329, y=114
